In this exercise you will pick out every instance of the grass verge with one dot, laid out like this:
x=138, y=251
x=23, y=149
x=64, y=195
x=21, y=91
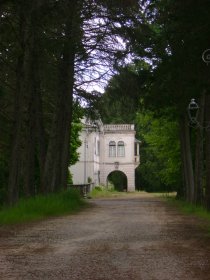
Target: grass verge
x=188, y=208
x=101, y=191
x=40, y=207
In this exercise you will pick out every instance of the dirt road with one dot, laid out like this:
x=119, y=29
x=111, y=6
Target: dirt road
x=132, y=237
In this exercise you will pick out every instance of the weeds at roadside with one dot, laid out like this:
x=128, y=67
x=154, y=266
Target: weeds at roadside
x=40, y=207
x=191, y=209
x=101, y=191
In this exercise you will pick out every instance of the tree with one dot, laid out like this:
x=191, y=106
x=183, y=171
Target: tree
x=173, y=42
x=121, y=99
x=185, y=46
x=50, y=51
x=160, y=159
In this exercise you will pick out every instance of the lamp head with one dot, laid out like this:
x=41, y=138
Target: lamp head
x=193, y=109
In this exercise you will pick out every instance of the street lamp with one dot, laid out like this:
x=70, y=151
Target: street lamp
x=193, y=109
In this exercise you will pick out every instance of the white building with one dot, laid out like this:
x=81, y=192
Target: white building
x=107, y=148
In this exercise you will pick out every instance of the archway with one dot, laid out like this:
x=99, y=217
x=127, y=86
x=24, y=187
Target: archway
x=119, y=180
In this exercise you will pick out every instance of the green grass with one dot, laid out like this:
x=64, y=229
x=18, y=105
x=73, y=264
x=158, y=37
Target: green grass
x=41, y=207
x=188, y=208
x=101, y=191
x=165, y=194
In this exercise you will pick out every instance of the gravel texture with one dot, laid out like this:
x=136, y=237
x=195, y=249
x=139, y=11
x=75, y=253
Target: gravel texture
x=132, y=237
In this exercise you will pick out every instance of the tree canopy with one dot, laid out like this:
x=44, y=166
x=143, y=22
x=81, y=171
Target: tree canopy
x=172, y=43
x=54, y=53
x=50, y=52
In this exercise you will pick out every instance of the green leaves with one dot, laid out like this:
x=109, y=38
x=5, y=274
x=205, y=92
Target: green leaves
x=160, y=151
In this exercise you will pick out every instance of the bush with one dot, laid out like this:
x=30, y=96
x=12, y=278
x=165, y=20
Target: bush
x=97, y=188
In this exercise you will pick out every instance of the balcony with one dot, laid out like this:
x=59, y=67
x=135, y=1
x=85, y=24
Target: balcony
x=118, y=127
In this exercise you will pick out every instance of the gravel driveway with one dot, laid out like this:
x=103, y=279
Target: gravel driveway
x=127, y=237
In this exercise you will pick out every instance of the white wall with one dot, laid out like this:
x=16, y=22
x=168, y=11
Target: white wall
x=92, y=161
x=126, y=164
x=88, y=164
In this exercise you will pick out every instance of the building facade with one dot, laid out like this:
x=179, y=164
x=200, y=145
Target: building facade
x=107, y=148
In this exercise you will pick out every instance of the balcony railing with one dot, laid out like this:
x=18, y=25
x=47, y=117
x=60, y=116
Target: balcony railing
x=118, y=127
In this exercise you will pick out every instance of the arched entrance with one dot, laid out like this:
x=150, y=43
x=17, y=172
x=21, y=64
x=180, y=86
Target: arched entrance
x=119, y=180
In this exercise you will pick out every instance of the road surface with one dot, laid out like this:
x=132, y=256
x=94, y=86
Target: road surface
x=131, y=237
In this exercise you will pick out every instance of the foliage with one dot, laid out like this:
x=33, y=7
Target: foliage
x=122, y=95
x=173, y=43
x=118, y=180
x=76, y=128
x=50, y=52
x=160, y=152
x=40, y=207
x=128, y=91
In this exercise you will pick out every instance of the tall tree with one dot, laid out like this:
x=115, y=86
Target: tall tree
x=123, y=94
x=53, y=51
x=174, y=43
x=23, y=147
x=56, y=162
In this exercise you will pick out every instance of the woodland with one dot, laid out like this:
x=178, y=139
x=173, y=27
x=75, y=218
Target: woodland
x=146, y=56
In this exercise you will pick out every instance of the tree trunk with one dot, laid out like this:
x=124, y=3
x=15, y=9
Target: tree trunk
x=199, y=155
x=207, y=150
x=40, y=134
x=30, y=119
x=16, y=153
x=187, y=160
x=22, y=163
x=31, y=70
x=57, y=157
x=35, y=141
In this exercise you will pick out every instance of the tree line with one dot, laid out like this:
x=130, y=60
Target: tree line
x=49, y=51
x=167, y=70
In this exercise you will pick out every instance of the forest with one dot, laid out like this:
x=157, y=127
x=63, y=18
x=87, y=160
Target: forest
x=129, y=61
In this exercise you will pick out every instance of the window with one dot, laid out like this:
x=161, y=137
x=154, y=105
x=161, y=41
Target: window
x=120, y=149
x=112, y=149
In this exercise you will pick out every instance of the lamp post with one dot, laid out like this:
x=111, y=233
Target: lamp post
x=197, y=121
x=194, y=175
x=193, y=110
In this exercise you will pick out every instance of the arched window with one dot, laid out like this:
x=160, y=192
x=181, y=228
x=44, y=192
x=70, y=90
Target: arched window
x=120, y=149
x=112, y=149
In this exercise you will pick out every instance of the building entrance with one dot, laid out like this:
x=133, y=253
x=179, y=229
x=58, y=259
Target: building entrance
x=119, y=180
